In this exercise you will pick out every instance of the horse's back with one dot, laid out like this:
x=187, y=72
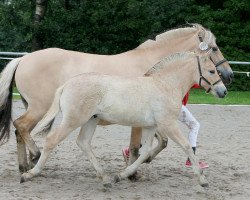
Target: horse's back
x=45, y=70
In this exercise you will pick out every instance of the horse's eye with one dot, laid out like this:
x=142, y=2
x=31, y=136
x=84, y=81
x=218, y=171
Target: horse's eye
x=212, y=71
x=214, y=48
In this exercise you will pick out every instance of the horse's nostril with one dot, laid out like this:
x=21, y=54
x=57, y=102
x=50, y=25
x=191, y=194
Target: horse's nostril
x=231, y=75
x=225, y=92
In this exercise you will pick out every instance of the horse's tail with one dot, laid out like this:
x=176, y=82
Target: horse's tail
x=6, y=82
x=49, y=117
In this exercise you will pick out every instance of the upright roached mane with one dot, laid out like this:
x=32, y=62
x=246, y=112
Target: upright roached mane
x=162, y=38
x=161, y=64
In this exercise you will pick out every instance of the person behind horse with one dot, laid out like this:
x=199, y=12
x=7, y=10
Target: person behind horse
x=189, y=120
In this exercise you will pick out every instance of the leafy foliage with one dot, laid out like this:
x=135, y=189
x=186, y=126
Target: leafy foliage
x=112, y=26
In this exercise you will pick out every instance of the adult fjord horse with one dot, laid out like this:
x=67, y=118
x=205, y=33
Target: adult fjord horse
x=88, y=98
x=39, y=74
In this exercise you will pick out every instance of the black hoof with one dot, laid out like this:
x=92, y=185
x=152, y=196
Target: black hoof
x=134, y=177
x=107, y=185
x=117, y=178
x=204, y=185
x=22, y=180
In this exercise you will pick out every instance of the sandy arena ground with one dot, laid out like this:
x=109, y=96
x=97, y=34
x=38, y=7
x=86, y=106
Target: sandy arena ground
x=224, y=143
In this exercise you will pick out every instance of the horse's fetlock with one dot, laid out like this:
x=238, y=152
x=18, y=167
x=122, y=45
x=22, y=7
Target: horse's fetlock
x=135, y=151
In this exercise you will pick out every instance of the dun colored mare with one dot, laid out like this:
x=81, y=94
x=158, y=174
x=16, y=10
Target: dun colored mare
x=151, y=102
x=39, y=74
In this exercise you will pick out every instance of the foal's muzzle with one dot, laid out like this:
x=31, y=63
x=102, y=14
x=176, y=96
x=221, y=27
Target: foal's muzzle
x=220, y=91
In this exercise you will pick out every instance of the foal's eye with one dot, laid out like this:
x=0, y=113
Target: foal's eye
x=214, y=48
x=212, y=71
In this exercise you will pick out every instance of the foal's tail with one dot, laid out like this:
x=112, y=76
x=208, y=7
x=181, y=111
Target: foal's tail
x=6, y=82
x=49, y=117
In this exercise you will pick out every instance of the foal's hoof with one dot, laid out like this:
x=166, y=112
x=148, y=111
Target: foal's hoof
x=117, y=178
x=134, y=177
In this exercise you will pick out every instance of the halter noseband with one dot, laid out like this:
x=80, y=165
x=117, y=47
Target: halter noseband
x=218, y=63
x=204, y=79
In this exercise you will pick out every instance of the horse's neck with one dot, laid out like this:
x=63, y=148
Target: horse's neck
x=179, y=76
x=155, y=52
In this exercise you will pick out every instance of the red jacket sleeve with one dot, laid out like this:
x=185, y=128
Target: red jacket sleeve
x=185, y=99
x=196, y=86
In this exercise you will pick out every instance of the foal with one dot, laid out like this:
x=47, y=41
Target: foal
x=151, y=102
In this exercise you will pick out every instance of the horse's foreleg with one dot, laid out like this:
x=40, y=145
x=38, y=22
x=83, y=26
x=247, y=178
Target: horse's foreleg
x=24, y=125
x=147, y=139
x=173, y=132
x=84, y=142
x=52, y=140
x=162, y=144
x=135, y=144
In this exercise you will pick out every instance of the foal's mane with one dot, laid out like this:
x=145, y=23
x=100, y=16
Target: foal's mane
x=168, y=60
x=206, y=35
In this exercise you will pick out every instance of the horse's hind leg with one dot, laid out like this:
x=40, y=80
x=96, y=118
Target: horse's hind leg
x=135, y=144
x=52, y=140
x=84, y=142
x=21, y=153
x=24, y=125
x=21, y=147
x=147, y=139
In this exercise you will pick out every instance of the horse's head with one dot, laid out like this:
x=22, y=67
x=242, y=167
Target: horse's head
x=207, y=43
x=209, y=78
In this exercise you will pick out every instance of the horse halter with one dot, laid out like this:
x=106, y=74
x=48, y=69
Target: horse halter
x=211, y=49
x=204, y=79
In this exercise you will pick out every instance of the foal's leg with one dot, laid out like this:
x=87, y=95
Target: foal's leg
x=24, y=125
x=173, y=132
x=162, y=144
x=84, y=142
x=147, y=139
x=52, y=140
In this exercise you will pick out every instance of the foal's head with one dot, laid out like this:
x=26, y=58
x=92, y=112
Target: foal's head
x=209, y=78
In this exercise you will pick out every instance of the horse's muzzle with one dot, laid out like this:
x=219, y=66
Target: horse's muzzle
x=226, y=75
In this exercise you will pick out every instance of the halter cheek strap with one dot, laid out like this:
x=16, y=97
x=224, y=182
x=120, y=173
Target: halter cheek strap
x=203, y=78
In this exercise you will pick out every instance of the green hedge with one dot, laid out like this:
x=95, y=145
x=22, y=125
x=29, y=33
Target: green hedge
x=114, y=26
